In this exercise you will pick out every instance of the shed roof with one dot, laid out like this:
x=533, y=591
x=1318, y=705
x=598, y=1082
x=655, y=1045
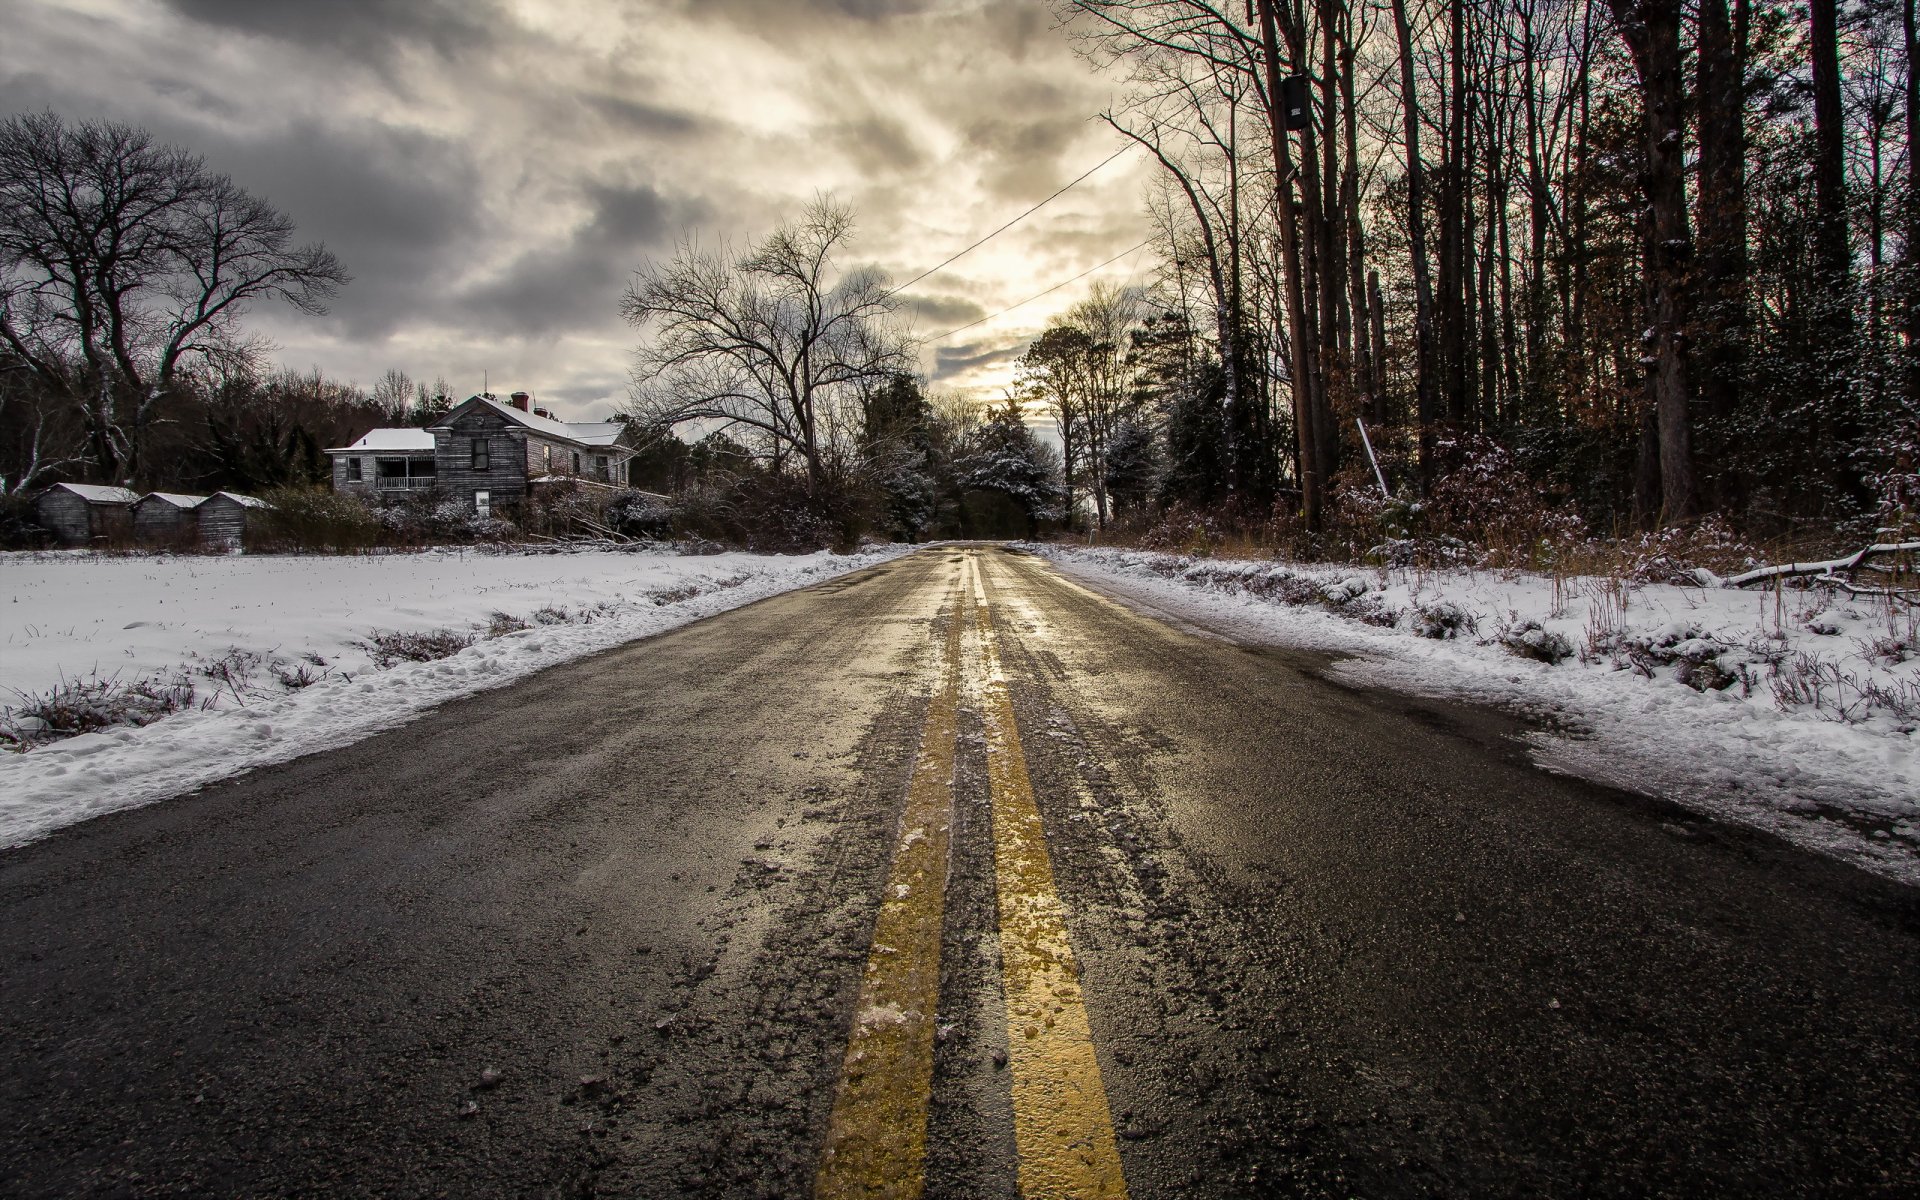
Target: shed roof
x=414, y=440
x=242, y=501
x=95, y=493
x=174, y=498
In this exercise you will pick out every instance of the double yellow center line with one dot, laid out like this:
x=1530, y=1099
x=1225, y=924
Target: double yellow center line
x=1063, y=1133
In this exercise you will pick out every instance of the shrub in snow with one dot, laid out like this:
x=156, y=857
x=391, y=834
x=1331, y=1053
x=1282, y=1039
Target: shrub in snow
x=1442, y=620
x=89, y=705
x=639, y=515
x=1351, y=588
x=387, y=648
x=1529, y=639
x=500, y=624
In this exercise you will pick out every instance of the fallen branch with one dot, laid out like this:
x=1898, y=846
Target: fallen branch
x=1907, y=596
x=1830, y=567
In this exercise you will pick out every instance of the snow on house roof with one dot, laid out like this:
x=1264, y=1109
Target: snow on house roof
x=94, y=493
x=587, y=433
x=242, y=501
x=177, y=499
x=416, y=440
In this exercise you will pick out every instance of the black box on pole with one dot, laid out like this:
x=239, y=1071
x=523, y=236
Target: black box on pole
x=1293, y=102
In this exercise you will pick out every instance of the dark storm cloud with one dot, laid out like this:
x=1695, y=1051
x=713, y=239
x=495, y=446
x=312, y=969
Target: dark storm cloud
x=949, y=361
x=567, y=285
x=393, y=204
x=396, y=206
x=937, y=313
x=637, y=117
x=877, y=143
x=761, y=13
x=369, y=27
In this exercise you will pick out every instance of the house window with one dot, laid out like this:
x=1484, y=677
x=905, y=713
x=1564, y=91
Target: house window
x=600, y=467
x=483, y=504
x=353, y=470
x=482, y=460
x=576, y=462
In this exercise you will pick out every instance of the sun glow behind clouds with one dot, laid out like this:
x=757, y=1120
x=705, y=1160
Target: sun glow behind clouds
x=491, y=172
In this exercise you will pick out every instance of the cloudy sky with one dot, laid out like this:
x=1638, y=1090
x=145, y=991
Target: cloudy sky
x=491, y=171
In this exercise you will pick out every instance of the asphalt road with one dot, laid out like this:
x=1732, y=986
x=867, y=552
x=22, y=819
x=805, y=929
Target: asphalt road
x=1190, y=921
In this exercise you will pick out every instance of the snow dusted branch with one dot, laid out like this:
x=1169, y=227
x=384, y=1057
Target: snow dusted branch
x=1831, y=567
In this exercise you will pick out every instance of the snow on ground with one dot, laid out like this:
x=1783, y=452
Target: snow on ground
x=1804, y=724
x=275, y=649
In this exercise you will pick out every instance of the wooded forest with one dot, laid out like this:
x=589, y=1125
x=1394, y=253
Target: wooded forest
x=1655, y=259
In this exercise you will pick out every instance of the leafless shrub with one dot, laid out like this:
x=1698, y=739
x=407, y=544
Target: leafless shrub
x=78, y=706
x=388, y=648
x=500, y=624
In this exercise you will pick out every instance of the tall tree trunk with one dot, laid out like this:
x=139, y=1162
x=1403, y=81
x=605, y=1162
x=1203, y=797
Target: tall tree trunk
x=1425, y=369
x=1453, y=221
x=1304, y=357
x=1720, y=350
x=1829, y=154
x=1911, y=293
x=1366, y=365
x=1652, y=32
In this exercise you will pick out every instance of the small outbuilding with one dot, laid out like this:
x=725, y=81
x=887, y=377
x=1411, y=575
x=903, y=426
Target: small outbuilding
x=223, y=518
x=78, y=513
x=166, y=517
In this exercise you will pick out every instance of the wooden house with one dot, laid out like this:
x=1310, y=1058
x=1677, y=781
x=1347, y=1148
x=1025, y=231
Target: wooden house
x=486, y=454
x=223, y=517
x=79, y=513
x=167, y=517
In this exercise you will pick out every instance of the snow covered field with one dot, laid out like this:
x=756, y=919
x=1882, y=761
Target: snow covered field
x=273, y=657
x=1800, y=715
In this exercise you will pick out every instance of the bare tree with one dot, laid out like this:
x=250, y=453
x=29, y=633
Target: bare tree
x=777, y=340
x=124, y=263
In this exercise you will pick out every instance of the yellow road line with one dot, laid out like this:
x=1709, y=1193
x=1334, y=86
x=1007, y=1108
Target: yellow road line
x=877, y=1138
x=1063, y=1131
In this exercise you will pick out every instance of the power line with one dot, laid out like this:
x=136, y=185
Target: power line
x=1010, y=224
x=1039, y=295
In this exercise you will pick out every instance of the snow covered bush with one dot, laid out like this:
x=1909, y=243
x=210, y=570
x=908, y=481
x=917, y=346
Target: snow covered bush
x=1529, y=639
x=1442, y=619
x=388, y=647
x=640, y=515
x=88, y=705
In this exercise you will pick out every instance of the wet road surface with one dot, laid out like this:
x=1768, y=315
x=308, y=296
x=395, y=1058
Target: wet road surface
x=949, y=878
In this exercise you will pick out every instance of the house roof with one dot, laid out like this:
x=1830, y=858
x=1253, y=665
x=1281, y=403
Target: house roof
x=416, y=440
x=586, y=433
x=242, y=501
x=175, y=498
x=94, y=493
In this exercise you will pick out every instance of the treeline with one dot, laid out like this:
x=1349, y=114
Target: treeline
x=1659, y=257
x=248, y=430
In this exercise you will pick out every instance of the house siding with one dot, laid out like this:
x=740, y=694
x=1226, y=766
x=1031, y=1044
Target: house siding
x=504, y=479
x=221, y=521
x=156, y=520
x=76, y=520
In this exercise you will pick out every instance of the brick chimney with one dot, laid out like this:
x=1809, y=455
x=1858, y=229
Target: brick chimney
x=521, y=401
x=541, y=412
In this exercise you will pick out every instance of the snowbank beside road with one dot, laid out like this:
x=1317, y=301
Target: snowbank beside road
x=1794, y=712
x=280, y=657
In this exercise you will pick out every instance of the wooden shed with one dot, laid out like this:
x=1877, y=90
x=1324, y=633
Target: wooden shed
x=78, y=513
x=223, y=518
x=166, y=517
